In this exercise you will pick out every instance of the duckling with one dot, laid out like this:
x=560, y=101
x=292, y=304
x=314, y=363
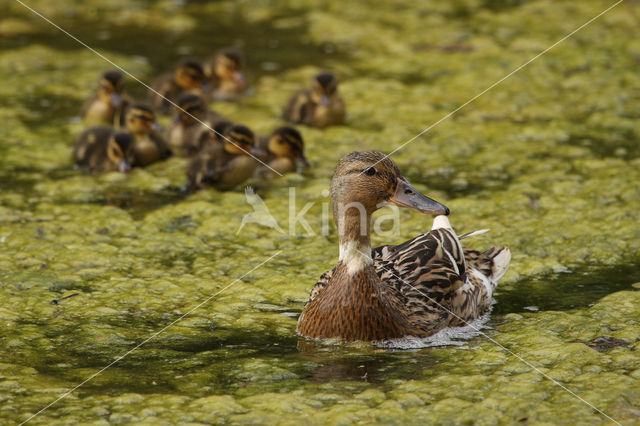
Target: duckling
x=149, y=146
x=103, y=149
x=108, y=102
x=225, y=165
x=187, y=130
x=188, y=77
x=216, y=137
x=320, y=107
x=225, y=75
x=416, y=288
x=284, y=150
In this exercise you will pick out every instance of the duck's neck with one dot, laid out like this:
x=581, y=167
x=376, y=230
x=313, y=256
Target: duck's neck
x=354, y=235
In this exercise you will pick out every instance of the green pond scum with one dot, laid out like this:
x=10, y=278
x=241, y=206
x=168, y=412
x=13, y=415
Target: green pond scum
x=548, y=160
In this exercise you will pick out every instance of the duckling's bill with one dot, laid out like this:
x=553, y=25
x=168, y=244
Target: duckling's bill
x=407, y=196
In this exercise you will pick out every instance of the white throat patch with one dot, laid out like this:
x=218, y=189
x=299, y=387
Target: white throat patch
x=355, y=256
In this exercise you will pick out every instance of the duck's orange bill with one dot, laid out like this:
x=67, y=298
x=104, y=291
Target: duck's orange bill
x=407, y=196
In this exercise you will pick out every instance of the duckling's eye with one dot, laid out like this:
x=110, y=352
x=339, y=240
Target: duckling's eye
x=369, y=171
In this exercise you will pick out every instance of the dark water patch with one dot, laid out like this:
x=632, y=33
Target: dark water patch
x=269, y=48
x=139, y=203
x=455, y=186
x=45, y=109
x=619, y=143
x=565, y=291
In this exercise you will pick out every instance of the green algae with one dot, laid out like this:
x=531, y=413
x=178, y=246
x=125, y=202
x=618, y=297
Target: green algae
x=548, y=160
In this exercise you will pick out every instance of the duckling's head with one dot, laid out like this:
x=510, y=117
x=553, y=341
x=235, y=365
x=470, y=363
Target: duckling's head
x=190, y=105
x=111, y=87
x=189, y=75
x=287, y=142
x=369, y=180
x=325, y=86
x=228, y=66
x=119, y=150
x=140, y=119
x=220, y=129
x=239, y=139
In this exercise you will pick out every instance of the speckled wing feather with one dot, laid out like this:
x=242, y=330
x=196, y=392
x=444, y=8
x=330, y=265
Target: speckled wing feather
x=427, y=270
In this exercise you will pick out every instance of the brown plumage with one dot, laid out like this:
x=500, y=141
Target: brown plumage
x=188, y=77
x=103, y=149
x=149, y=146
x=225, y=164
x=430, y=280
x=321, y=106
x=225, y=75
x=192, y=123
x=108, y=102
x=284, y=152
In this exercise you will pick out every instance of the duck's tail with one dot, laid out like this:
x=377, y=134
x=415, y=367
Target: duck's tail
x=500, y=261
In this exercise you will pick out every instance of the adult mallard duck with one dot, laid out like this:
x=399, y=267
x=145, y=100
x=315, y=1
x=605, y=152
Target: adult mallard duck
x=227, y=164
x=188, y=77
x=321, y=106
x=412, y=289
x=149, y=146
x=108, y=102
x=192, y=123
x=103, y=149
x=284, y=150
x=224, y=74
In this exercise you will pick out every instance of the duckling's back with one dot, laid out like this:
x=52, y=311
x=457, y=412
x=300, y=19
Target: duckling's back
x=90, y=148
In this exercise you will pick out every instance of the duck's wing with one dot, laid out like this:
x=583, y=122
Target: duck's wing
x=427, y=271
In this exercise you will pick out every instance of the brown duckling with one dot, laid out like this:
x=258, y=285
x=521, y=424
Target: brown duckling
x=188, y=77
x=227, y=164
x=320, y=107
x=284, y=150
x=192, y=123
x=415, y=288
x=103, y=149
x=108, y=102
x=149, y=146
x=224, y=74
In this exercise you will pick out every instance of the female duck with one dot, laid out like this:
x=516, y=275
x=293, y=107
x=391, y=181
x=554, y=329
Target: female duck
x=413, y=289
x=320, y=107
x=284, y=150
x=225, y=75
x=108, y=102
x=149, y=146
x=102, y=149
x=227, y=164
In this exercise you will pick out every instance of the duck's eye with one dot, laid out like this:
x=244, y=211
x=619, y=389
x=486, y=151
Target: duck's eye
x=369, y=171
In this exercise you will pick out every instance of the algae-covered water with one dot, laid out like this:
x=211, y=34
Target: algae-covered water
x=549, y=160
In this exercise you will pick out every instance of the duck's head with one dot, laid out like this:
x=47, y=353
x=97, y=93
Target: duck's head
x=190, y=105
x=372, y=180
x=140, y=119
x=119, y=150
x=111, y=88
x=239, y=139
x=189, y=75
x=228, y=66
x=325, y=86
x=287, y=142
